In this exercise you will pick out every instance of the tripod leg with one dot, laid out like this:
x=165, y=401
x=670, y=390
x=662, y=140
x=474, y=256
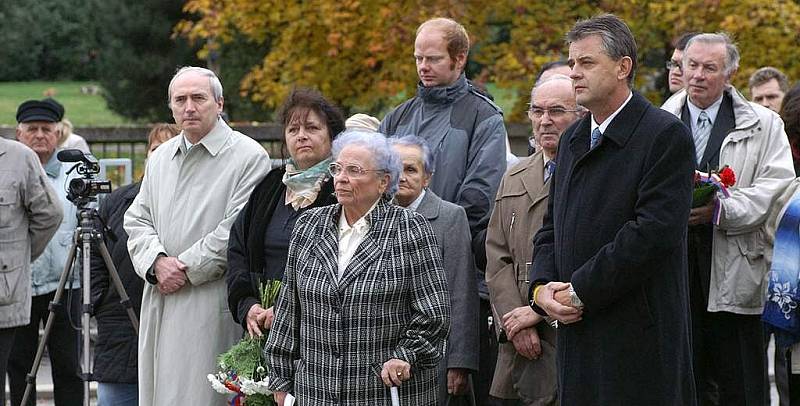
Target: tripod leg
x=37, y=360
x=87, y=313
x=123, y=296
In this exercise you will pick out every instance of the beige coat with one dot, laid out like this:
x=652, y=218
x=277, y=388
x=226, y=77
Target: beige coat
x=187, y=203
x=30, y=213
x=519, y=210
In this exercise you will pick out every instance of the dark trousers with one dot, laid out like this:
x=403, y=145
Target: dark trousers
x=794, y=382
x=781, y=373
x=6, y=341
x=487, y=359
x=794, y=389
x=62, y=346
x=730, y=365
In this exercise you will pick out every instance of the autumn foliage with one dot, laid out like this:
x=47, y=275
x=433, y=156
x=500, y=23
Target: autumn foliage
x=359, y=53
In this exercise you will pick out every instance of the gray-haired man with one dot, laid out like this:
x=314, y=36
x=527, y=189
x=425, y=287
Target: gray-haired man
x=178, y=226
x=726, y=247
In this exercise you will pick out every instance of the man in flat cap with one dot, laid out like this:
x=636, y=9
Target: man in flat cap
x=37, y=128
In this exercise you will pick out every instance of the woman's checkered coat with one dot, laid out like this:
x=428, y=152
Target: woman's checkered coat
x=331, y=337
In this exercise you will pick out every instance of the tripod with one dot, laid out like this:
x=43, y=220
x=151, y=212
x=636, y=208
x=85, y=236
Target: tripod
x=85, y=234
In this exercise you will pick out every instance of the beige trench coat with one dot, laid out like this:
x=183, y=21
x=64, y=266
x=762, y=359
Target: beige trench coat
x=187, y=203
x=519, y=210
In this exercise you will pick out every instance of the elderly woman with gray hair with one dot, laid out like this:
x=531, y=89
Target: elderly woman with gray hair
x=364, y=304
x=450, y=225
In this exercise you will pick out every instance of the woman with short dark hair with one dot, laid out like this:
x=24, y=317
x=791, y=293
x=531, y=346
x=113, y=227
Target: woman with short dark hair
x=259, y=238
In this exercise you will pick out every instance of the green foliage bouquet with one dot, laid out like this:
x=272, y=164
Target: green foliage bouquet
x=241, y=369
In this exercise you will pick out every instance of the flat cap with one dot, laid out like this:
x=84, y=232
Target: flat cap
x=39, y=110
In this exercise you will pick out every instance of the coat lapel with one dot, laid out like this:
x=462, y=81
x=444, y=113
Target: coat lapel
x=625, y=123
x=536, y=189
x=429, y=206
x=327, y=247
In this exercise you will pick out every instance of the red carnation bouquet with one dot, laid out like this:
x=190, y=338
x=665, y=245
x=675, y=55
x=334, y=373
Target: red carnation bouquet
x=706, y=186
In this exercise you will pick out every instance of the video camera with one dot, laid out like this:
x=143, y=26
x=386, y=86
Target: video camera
x=86, y=188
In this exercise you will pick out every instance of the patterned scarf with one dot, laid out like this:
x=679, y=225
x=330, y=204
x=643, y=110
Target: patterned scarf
x=303, y=185
x=780, y=311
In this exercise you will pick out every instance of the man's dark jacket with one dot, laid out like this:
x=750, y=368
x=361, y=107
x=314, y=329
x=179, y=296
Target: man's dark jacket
x=616, y=229
x=117, y=344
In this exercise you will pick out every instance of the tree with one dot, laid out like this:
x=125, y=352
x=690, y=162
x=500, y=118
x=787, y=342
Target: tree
x=47, y=40
x=358, y=53
x=139, y=55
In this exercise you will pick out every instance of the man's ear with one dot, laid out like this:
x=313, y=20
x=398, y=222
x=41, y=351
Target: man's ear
x=461, y=61
x=730, y=77
x=625, y=68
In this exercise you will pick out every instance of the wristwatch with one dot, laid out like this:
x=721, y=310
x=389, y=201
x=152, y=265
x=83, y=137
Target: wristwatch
x=574, y=300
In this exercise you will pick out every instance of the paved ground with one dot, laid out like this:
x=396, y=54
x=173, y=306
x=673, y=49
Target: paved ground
x=45, y=384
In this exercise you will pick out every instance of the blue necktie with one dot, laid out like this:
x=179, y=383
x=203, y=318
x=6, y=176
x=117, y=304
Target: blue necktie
x=702, y=134
x=549, y=169
x=596, y=134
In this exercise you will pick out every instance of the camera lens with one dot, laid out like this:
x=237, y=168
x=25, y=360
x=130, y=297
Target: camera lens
x=78, y=187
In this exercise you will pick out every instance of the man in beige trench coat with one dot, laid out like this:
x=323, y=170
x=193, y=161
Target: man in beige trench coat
x=526, y=364
x=193, y=188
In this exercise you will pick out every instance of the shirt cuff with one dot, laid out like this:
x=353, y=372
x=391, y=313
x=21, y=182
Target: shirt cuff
x=150, y=275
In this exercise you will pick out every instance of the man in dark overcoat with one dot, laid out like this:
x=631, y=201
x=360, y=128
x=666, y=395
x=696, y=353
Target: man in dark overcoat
x=609, y=264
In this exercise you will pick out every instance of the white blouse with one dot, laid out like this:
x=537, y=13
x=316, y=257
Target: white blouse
x=350, y=237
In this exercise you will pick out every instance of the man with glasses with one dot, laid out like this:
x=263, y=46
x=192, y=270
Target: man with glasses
x=673, y=65
x=526, y=364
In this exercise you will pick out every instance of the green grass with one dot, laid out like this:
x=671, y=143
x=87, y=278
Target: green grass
x=81, y=109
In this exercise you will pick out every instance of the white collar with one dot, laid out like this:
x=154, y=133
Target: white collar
x=415, y=204
x=608, y=120
x=361, y=225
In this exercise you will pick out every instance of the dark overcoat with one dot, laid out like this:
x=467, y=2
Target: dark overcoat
x=449, y=224
x=116, y=351
x=332, y=335
x=616, y=229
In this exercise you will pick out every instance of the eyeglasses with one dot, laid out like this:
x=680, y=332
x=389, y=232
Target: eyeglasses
x=553, y=112
x=352, y=171
x=670, y=65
